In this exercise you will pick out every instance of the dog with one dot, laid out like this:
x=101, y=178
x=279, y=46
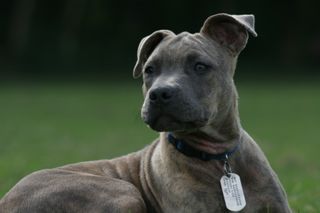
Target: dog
x=203, y=161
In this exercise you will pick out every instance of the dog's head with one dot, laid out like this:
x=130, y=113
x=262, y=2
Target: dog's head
x=188, y=78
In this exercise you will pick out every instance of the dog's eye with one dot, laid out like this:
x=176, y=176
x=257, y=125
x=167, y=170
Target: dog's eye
x=200, y=67
x=149, y=70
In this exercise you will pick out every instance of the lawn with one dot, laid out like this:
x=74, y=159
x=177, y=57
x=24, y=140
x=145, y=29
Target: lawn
x=44, y=125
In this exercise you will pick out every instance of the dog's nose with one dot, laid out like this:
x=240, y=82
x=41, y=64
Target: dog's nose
x=161, y=95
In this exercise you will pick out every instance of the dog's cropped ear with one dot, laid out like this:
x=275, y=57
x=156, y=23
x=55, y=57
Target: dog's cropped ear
x=146, y=47
x=231, y=31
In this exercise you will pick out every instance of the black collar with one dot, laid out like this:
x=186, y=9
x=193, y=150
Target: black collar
x=189, y=151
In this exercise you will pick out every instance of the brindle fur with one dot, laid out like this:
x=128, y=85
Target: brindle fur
x=159, y=178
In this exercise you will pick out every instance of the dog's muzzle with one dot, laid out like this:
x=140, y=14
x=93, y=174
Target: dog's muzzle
x=167, y=109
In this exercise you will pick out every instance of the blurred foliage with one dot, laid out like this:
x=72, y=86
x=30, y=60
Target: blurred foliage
x=100, y=37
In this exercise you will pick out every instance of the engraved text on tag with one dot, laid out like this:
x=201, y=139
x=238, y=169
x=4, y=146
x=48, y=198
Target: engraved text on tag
x=233, y=192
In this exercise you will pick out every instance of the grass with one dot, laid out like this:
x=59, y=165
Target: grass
x=48, y=125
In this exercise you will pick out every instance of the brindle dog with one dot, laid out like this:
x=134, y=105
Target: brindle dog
x=190, y=98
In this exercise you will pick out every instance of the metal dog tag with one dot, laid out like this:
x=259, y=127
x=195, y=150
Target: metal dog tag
x=233, y=192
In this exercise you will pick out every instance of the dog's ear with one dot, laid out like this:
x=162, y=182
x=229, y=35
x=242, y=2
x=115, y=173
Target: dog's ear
x=231, y=31
x=146, y=47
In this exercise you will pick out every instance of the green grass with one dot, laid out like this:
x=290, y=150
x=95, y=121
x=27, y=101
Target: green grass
x=48, y=125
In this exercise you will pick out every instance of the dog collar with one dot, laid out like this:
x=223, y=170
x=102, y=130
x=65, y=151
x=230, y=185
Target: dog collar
x=189, y=151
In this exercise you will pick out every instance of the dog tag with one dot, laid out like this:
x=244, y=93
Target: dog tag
x=233, y=192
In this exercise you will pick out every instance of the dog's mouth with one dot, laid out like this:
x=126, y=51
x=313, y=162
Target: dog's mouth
x=171, y=123
x=180, y=115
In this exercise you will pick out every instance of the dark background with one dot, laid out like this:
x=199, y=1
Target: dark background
x=97, y=39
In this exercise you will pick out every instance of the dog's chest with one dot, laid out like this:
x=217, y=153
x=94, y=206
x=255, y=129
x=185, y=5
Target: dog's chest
x=189, y=196
x=178, y=191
